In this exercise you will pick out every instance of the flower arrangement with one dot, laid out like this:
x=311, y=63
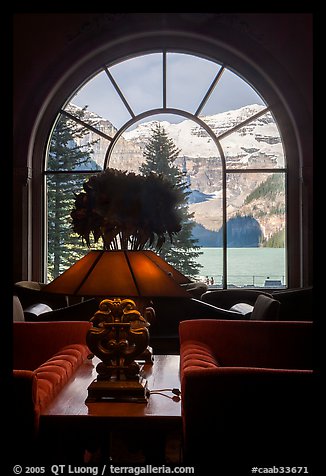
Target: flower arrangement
x=127, y=211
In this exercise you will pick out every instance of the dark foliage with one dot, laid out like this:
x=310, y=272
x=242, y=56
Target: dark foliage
x=127, y=211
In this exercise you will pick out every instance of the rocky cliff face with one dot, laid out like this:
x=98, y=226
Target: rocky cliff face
x=256, y=146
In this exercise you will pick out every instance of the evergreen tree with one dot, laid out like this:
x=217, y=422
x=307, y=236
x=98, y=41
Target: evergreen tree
x=277, y=240
x=64, y=246
x=160, y=154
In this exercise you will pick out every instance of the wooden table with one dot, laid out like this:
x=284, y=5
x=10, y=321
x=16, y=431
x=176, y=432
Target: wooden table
x=71, y=424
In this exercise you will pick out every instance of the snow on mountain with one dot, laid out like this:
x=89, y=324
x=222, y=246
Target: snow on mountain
x=256, y=145
x=187, y=135
x=259, y=137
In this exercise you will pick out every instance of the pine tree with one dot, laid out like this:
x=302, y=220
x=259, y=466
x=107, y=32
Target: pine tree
x=64, y=246
x=160, y=154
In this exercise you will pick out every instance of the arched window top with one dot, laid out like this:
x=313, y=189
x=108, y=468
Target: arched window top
x=231, y=153
x=179, y=87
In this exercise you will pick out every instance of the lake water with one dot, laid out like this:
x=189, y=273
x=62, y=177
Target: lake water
x=246, y=266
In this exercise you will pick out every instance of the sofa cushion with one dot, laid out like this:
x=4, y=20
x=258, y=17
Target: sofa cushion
x=195, y=355
x=53, y=374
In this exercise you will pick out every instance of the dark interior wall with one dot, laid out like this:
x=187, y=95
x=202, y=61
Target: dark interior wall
x=48, y=46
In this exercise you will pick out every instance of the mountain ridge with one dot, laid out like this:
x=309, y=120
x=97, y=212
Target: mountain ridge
x=257, y=146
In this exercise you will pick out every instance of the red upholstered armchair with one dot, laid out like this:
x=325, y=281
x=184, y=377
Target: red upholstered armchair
x=248, y=393
x=45, y=356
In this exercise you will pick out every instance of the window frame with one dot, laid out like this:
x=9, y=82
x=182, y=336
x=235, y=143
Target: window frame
x=112, y=141
x=189, y=44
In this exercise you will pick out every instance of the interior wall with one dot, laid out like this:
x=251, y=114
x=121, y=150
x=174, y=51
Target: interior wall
x=47, y=47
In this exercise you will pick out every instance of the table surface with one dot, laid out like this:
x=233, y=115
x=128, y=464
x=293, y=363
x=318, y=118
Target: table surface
x=163, y=374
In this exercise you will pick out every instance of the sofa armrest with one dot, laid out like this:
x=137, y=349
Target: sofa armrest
x=254, y=413
x=36, y=342
x=23, y=386
x=222, y=386
x=34, y=390
x=23, y=382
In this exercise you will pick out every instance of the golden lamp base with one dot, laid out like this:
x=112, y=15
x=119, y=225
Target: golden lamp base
x=133, y=391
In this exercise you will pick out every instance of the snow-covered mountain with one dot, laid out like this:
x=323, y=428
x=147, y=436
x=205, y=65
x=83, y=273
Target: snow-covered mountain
x=257, y=145
x=258, y=138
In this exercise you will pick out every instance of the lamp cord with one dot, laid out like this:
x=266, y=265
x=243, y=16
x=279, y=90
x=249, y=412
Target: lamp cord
x=176, y=397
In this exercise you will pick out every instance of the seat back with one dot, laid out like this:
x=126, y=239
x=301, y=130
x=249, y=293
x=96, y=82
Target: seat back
x=296, y=304
x=265, y=309
x=227, y=298
x=36, y=342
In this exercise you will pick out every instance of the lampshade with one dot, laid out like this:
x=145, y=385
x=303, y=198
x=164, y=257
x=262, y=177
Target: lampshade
x=120, y=273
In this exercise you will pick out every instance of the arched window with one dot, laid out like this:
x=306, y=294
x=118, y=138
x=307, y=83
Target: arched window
x=231, y=156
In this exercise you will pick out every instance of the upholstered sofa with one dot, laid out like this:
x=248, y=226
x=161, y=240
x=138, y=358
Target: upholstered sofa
x=45, y=357
x=248, y=394
x=296, y=303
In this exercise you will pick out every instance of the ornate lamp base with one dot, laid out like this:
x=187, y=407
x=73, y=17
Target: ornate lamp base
x=119, y=336
x=133, y=391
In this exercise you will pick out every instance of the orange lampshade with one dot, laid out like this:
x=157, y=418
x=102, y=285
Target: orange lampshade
x=122, y=274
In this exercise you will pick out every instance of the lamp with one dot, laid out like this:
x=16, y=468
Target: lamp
x=119, y=333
